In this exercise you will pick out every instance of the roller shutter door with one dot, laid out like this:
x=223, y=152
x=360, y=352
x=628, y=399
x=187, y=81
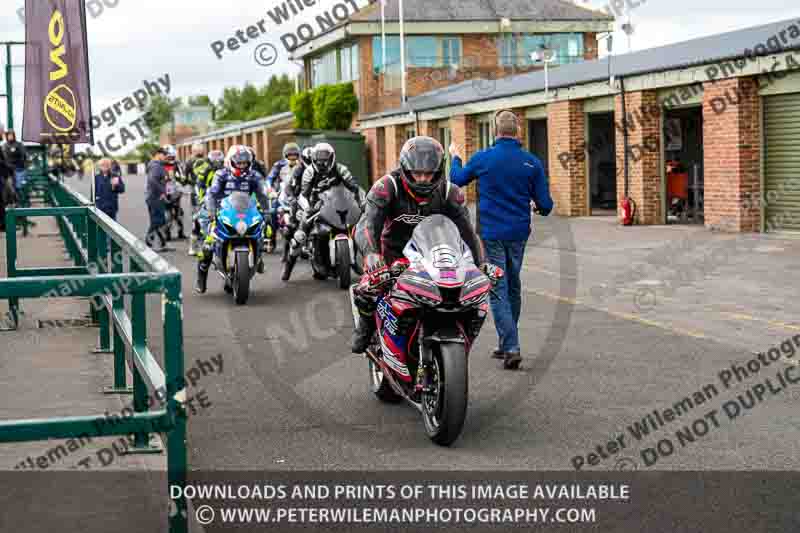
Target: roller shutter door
x=782, y=162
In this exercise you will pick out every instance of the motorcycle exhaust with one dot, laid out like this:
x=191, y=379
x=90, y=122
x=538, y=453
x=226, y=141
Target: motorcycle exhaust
x=387, y=373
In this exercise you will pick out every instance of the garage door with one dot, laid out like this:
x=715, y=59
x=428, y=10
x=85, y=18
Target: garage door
x=782, y=161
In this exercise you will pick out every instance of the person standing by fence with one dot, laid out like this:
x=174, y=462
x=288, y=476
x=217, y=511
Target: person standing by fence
x=156, y=198
x=108, y=185
x=508, y=179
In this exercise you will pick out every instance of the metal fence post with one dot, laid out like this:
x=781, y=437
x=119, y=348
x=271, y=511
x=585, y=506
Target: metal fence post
x=101, y=260
x=176, y=394
x=90, y=242
x=11, y=264
x=118, y=305
x=141, y=441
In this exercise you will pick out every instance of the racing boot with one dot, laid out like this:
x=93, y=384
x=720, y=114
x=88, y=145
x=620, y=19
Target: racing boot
x=362, y=334
x=201, y=283
x=192, y=246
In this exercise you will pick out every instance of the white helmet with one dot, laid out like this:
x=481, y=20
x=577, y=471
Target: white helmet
x=323, y=159
x=170, y=151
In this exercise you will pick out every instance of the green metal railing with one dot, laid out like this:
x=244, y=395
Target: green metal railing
x=101, y=250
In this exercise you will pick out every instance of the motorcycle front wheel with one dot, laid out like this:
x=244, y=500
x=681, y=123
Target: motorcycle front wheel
x=343, y=262
x=444, y=408
x=241, y=278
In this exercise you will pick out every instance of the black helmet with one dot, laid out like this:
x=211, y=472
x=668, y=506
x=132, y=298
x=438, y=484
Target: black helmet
x=422, y=154
x=323, y=159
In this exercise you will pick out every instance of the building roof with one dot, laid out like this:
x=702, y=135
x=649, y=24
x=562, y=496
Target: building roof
x=704, y=50
x=463, y=10
x=236, y=128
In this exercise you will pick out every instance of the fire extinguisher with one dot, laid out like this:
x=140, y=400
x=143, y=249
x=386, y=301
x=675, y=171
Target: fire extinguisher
x=628, y=211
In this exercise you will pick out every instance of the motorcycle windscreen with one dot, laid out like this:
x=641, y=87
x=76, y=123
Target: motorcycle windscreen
x=436, y=242
x=339, y=207
x=241, y=202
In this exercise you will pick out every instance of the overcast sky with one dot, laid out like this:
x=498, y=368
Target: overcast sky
x=145, y=39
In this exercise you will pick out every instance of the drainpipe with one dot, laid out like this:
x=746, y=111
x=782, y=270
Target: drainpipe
x=624, y=132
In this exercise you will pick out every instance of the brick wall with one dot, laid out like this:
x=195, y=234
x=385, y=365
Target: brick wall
x=644, y=155
x=566, y=134
x=463, y=131
x=376, y=144
x=732, y=152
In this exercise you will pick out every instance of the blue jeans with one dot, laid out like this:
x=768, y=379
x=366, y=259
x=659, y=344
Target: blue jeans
x=506, y=306
x=20, y=179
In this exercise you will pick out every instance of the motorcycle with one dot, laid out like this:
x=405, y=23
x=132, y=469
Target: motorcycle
x=238, y=243
x=427, y=322
x=330, y=242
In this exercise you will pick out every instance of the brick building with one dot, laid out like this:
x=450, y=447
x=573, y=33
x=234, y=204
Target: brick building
x=713, y=129
x=447, y=42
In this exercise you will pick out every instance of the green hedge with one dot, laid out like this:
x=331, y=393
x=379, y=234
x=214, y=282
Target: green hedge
x=302, y=105
x=329, y=107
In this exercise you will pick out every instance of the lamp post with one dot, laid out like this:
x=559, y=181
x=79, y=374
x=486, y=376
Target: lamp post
x=544, y=55
x=608, y=36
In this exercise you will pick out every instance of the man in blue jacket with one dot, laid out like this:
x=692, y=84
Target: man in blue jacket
x=108, y=185
x=508, y=179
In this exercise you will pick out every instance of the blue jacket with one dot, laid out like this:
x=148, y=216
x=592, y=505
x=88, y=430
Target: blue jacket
x=105, y=197
x=509, y=178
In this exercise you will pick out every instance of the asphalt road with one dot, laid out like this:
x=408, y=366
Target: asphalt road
x=290, y=396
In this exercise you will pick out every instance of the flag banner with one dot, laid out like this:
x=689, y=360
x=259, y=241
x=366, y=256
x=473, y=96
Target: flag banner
x=57, y=98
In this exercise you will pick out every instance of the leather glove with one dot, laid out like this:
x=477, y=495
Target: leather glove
x=376, y=271
x=493, y=272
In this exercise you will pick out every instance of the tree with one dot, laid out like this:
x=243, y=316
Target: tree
x=159, y=111
x=250, y=102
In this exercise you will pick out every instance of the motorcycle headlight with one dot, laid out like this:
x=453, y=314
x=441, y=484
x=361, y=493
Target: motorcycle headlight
x=241, y=228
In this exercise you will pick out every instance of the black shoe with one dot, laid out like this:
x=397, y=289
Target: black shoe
x=201, y=284
x=512, y=360
x=498, y=354
x=362, y=335
x=260, y=266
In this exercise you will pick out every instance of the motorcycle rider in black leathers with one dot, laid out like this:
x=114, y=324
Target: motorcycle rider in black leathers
x=238, y=176
x=395, y=205
x=323, y=174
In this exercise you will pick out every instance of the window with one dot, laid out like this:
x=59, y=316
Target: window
x=335, y=66
x=324, y=69
x=421, y=51
x=485, y=133
x=516, y=49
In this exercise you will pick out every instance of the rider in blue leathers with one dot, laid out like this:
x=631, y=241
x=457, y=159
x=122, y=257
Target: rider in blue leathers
x=237, y=176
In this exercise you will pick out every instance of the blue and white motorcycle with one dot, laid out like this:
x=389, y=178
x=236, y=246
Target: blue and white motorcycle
x=238, y=243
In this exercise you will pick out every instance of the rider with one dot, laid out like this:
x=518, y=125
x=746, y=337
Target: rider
x=395, y=205
x=204, y=171
x=240, y=176
x=323, y=174
x=281, y=175
x=174, y=194
x=198, y=154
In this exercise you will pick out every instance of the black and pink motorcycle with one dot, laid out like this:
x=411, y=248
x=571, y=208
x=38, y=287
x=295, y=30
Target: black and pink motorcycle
x=426, y=325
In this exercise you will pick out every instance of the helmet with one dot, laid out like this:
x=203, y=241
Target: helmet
x=306, y=154
x=240, y=159
x=291, y=149
x=323, y=158
x=170, y=152
x=198, y=149
x=216, y=158
x=422, y=154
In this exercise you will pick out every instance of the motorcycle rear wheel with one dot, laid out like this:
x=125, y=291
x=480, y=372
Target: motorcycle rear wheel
x=444, y=409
